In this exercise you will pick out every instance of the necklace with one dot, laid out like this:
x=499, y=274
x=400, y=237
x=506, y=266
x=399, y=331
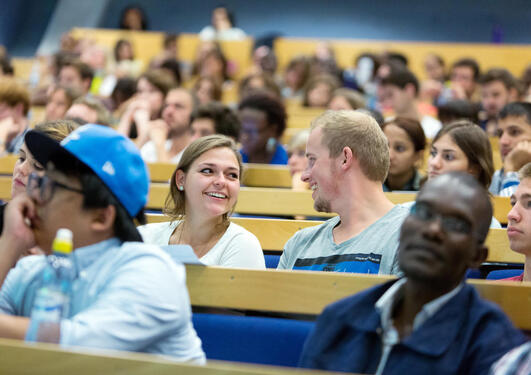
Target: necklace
x=200, y=249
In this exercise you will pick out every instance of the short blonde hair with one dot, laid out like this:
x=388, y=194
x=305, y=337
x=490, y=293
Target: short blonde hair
x=298, y=141
x=58, y=129
x=362, y=134
x=13, y=93
x=175, y=201
x=525, y=172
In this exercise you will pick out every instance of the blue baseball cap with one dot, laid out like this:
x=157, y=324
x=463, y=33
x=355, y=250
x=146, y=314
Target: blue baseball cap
x=112, y=157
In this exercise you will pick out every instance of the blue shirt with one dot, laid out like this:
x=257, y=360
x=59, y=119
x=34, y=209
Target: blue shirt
x=279, y=157
x=128, y=296
x=465, y=335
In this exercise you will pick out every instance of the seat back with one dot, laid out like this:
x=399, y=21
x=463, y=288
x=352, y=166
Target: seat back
x=269, y=341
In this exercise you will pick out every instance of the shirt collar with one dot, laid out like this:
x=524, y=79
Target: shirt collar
x=388, y=300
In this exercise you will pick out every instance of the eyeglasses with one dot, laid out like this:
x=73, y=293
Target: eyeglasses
x=46, y=187
x=449, y=223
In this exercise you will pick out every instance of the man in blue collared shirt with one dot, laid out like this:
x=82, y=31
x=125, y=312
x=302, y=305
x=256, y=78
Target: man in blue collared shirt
x=430, y=321
x=126, y=295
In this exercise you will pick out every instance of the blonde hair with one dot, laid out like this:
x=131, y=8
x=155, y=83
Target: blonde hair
x=524, y=172
x=13, y=93
x=362, y=134
x=57, y=130
x=298, y=141
x=175, y=201
x=103, y=115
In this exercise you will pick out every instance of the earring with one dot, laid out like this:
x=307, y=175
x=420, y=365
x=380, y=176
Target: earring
x=181, y=188
x=271, y=145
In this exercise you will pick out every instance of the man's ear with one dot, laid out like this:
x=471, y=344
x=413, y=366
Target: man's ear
x=346, y=158
x=103, y=218
x=480, y=256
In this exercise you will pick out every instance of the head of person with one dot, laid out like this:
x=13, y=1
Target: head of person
x=434, y=67
x=222, y=19
x=76, y=75
x=407, y=142
x=178, y=107
x=465, y=73
x=343, y=143
x=464, y=147
x=454, y=110
x=124, y=89
x=123, y=50
x=398, y=90
x=14, y=99
x=498, y=87
x=444, y=234
x=207, y=89
x=170, y=44
x=27, y=164
x=214, y=64
x=263, y=121
x=206, y=182
x=526, y=82
x=59, y=100
x=258, y=81
x=519, y=218
x=89, y=110
x=133, y=18
x=318, y=91
x=514, y=126
x=214, y=118
x=297, y=73
x=264, y=59
x=345, y=98
x=94, y=194
x=172, y=66
x=153, y=86
x=297, y=161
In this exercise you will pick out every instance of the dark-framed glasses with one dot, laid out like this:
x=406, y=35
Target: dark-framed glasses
x=45, y=187
x=449, y=223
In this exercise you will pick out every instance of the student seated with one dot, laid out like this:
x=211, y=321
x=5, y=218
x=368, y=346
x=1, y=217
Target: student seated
x=516, y=362
x=462, y=147
x=26, y=163
x=406, y=151
x=399, y=92
x=203, y=191
x=127, y=295
x=519, y=222
x=429, y=321
x=348, y=160
x=263, y=121
x=514, y=132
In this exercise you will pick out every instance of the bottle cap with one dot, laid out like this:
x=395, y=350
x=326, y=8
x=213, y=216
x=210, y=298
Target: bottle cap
x=63, y=241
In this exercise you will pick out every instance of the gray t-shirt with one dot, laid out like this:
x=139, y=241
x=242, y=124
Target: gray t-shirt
x=372, y=251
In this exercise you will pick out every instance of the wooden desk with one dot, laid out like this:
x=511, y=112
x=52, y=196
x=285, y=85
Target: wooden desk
x=19, y=358
x=306, y=292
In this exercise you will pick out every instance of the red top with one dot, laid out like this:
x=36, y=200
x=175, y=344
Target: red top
x=515, y=278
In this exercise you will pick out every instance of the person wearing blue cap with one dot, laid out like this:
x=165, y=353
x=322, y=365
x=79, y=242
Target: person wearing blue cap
x=126, y=295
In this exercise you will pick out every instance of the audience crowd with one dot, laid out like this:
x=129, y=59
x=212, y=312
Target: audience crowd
x=375, y=128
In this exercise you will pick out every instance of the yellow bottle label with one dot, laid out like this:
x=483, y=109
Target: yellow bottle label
x=62, y=246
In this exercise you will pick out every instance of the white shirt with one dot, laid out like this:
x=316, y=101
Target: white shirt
x=149, y=152
x=236, y=248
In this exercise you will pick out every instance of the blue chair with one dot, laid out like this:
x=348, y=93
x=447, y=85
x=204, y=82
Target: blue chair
x=473, y=273
x=503, y=274
x=268, y=341
x=271, y=261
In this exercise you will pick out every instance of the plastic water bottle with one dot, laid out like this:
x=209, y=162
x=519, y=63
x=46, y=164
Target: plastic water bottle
x=52, y=299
